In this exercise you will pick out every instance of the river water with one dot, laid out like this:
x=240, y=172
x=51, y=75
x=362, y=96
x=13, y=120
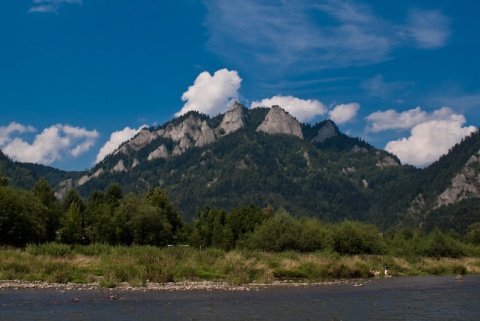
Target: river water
x=398, y=298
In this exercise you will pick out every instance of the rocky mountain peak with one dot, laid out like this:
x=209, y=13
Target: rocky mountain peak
x=326, y=131
x=234, y=119
x=143, y=138
x=278, y=121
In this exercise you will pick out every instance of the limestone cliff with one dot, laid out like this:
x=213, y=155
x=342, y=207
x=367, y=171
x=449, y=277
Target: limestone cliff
x=278, y=121
x=234, y=119
x=120, y=167
x=143, y=138
x=160, y=152
x=385, y=161
x=191, y=132
x=465, y=184
x=327, y=131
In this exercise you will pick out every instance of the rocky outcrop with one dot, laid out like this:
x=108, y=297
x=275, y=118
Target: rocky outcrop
x=306, y=156
x=97, y=173
x=136, y=162
x=207, y=136
x=415, y=213
x=349, y=170
x=142, y=139
x=191, y=132
x=64, y=186
x=386, y=161
x=358, y=149
x=119, y=167
x=365, y=183
x=233, y=120
x=82, y=180
x=278, y=121
x=325, y=132
x=465, y=184
x=160, y=152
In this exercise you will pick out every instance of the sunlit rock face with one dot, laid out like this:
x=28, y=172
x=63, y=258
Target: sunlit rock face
x=278, y=121
x=119, y=167
x=465, y=184
x=234, y=119
x=387, y=161
x=142, y=139
x=191, y=132
x=160, y=152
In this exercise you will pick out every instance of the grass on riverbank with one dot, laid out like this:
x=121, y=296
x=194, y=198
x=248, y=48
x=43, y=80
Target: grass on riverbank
x=111, y=265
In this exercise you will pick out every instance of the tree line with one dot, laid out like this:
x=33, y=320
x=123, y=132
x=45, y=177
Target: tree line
x=112, y=217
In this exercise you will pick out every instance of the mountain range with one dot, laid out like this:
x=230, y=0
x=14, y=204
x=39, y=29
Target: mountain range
x=266, y=157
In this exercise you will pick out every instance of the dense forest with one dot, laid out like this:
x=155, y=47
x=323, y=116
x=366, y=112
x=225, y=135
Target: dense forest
x=111, y=217
x=240, y=190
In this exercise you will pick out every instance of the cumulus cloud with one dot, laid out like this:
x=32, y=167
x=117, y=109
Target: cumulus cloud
x=344, y=113
x=391, y=119
x=13, y=127
x=430, y=140
x=52, y=144
x=45, y=6
x=212, y=95
x=303, y=110
x=116, y=138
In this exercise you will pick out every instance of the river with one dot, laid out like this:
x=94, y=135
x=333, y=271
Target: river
x=397, y=298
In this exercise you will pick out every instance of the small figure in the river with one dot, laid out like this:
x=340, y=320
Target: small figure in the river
x=385, y=267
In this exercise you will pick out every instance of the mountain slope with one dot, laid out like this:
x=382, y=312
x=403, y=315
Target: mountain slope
x=25, y=175
x=264, y=156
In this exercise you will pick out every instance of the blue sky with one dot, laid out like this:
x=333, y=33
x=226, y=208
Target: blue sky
x=77, y=77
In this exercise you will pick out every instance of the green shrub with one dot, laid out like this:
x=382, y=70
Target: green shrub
x=50, y=249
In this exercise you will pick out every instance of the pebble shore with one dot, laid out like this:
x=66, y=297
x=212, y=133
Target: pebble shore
x=171, y=286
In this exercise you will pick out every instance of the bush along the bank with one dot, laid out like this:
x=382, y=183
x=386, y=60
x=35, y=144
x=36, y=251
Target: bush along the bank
x=111, y=218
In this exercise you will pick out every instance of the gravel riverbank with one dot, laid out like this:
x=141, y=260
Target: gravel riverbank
x=170, y=286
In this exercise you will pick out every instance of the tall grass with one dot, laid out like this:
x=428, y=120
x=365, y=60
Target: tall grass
x=138, y=265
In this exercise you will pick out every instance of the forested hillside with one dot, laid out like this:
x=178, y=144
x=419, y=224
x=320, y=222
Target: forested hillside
x=251, y=156
x=334, y=177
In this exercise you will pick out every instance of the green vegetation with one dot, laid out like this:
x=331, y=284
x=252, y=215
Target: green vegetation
x=340, y=178
x=251, y=207
x=137, y=265
x=110, y=217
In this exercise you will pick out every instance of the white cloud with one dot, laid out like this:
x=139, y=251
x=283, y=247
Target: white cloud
x=300, y=36
x=52, y=144
x=303, y=110
x=428, y=29
x=7, y=131
x=45, y=6
x=378, y=87
x=430, y=140
x=212, y=95
x=391, y=119
x=116, y=138
x=343, y=113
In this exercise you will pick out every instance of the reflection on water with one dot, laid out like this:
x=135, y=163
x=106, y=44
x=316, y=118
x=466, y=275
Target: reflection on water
x=408, y=298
